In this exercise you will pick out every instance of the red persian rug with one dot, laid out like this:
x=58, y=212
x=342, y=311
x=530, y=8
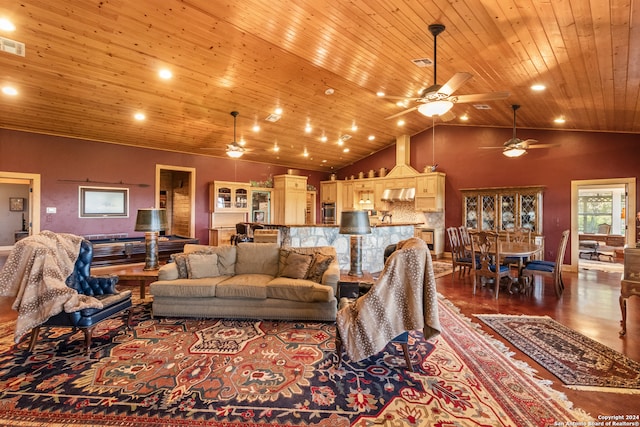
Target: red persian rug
x=195, y=372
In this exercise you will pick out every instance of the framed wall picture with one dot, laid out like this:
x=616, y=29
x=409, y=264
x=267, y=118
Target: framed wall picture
x=16, y=204
x=103, y=202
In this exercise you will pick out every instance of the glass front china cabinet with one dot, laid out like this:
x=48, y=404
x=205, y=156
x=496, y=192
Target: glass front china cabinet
x=503, y=208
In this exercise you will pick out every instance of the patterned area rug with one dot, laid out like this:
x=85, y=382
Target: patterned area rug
x=177, y=372
x=578, y=361
x=441, y=268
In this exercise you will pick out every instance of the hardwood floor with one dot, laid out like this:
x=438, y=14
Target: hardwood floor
x=589, y=305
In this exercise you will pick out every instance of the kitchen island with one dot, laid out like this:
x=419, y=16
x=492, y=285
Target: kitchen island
x=373, y=245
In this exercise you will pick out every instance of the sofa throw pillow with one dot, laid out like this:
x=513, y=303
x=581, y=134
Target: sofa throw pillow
x=296, y=266
x=202, y=265
x=181, y=263
x=319, y=265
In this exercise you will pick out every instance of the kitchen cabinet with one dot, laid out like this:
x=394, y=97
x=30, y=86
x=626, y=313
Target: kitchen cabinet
x=430, y=192
x=289, y=199
x=225, y=196
x=329, y=192
x=347, y=195
x=502, y=208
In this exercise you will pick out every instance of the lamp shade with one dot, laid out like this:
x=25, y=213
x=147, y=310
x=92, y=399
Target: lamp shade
x=151, y=220
x=435, y=108
x=514, y=152
x=354, y=222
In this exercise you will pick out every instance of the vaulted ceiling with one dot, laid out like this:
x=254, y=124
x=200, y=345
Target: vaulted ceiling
x=90, y=65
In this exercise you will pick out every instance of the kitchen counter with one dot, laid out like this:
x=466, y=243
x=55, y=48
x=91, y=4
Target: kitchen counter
x=373, y=244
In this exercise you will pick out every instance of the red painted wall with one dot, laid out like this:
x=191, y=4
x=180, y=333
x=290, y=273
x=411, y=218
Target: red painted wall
x=57, y=159
x=578, y=156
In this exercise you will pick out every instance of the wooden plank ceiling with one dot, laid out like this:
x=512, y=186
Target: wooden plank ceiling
x=90, y=65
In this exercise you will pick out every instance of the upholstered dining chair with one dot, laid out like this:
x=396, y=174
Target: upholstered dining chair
x=102, y=288
x=459, y=257
x=518, y=235
x=550, y=268
x=402, y=299
x=486, y=259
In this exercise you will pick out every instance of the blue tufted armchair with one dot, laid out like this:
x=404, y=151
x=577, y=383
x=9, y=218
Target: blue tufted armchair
x=102, y=288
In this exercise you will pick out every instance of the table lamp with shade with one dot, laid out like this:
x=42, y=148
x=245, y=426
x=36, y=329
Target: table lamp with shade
x=355, y=223
x=151, y=221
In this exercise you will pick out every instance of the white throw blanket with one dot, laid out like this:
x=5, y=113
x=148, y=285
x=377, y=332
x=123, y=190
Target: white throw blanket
x=35, y=273
x=404, y=298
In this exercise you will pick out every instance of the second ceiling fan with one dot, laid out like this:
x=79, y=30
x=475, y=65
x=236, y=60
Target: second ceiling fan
x=437, y=100
x=516, y=147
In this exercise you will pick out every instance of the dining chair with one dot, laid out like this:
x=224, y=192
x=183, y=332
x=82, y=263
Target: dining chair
x=486, y=259
x=518, y=235
x=550, y=268
x=458, y=255
x=604, y=228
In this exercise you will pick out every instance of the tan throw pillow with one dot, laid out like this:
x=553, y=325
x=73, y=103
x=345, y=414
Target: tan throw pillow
x=319, y=265
x=296, y=266
x=181, y=263
x=202, y=265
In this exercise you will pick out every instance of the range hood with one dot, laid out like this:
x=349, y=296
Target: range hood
x=402, y=169
x=398, y=195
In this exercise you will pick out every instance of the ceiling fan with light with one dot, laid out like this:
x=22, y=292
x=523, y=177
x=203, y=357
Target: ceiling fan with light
x=437, y=100
x=516, y=147
x=234, y=149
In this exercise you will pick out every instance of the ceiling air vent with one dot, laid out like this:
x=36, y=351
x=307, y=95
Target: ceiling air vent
x=481, y=107
x=423, y=62
x=345, y=137
x=11, y=46
x=273, y=118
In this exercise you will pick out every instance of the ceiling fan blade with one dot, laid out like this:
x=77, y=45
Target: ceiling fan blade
x=454, y=83
x=491, y=148
x=447, y=117
x=477, y=97
x=401, y=113
x=400, y=97
x=543, y=145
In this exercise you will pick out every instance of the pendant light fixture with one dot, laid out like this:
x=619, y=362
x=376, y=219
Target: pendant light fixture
x=234, y=150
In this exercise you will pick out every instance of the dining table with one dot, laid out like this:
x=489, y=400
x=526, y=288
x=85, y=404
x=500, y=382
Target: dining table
x=521, y=251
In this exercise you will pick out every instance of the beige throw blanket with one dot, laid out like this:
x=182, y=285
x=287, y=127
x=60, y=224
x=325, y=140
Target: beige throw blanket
x=404, y=298
x=35, y=273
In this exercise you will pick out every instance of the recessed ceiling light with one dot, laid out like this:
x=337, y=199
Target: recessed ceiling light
x=354, y=127
x=308, y=128
x=559, y=120
x=324, y=161
x=256, y=128
x=464, y=117
x=401, y=122
x=139, y=116
x=323, y=138
x=346, y=150
x=371, y=138
x=10, y=90
x=165, y=74
x=329, y=91
x=538, y=87
x=380, y=93
x=278, y=111
x=306, y=153
x=6, y=25
x=276, y=148
x=340, y=142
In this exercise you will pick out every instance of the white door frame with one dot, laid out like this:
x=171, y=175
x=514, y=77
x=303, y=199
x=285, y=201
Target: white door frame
x=33, y=180
x=192, y=192
x=630, y=233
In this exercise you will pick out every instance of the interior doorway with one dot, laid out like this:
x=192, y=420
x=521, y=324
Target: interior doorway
x=622, y=214
x=175, y=192
x=31, y=212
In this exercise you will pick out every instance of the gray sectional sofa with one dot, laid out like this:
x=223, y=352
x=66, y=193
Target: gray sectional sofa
x=249, y=281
